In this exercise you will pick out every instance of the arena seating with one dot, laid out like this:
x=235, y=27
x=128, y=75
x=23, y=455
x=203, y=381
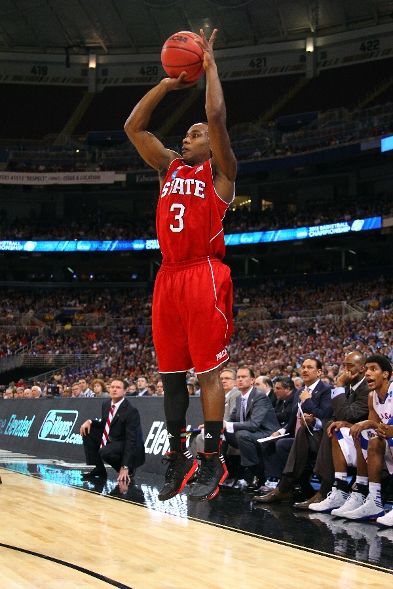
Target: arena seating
x=277, y=324
x=98, y=223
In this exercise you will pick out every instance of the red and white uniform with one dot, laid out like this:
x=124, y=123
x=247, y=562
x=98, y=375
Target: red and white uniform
x=192, y=303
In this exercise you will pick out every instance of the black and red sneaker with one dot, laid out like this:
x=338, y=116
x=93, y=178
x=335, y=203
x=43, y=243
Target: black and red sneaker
x=181, y=467
x=212, y=473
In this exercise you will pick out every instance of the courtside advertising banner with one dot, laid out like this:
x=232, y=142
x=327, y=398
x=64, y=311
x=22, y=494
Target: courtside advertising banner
x=49, y=428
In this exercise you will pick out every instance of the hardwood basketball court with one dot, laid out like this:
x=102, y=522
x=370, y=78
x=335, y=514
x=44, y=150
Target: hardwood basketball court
x=56, y=535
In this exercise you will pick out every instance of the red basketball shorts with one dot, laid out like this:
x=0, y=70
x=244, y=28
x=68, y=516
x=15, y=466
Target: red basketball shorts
x=192, y=315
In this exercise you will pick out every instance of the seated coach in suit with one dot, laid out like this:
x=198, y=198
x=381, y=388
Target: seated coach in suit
x=253, y=417
x=116, y=438
x=308, y=418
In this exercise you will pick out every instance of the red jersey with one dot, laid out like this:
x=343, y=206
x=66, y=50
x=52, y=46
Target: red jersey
x=190, y=214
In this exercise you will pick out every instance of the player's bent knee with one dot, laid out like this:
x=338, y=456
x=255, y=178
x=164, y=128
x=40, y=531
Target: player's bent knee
x=242, y=435
x=209, y=378
x=376, y=446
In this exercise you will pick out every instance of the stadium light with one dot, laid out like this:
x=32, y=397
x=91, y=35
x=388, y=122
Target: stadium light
x=92, y=61
x=310, y=45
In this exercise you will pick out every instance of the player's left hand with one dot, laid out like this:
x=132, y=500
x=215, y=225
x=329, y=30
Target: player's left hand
x=178, y=83
x=207, y=46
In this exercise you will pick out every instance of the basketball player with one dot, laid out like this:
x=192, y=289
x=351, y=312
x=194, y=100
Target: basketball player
x=192, y=302
x=367, y=445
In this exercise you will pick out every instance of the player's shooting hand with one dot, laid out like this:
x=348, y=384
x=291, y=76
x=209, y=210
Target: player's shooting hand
x=207, y=46
x=178, y=83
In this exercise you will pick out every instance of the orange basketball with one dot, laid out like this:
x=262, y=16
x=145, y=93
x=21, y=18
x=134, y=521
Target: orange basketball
x=180, y=53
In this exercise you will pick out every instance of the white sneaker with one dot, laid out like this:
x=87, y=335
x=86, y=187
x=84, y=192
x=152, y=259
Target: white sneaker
x=336, y=498
x=240, y=484
x=387, y=519
x=354, y=500
x=369, y=510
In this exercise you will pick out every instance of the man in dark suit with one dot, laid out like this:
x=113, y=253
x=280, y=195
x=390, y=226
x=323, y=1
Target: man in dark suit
x=116, y=438
x=350, y=405
x=275, y=453
x=253, y=417
x=142, y=388
x=308, y=418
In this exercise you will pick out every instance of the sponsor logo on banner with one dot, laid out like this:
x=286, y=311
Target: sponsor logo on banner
x=57, y=427
x=19, y=428
x=157, y=439
x=3, y=424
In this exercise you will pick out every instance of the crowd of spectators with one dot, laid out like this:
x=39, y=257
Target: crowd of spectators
x=277, y=325
x=98, y=224
x=251, y=141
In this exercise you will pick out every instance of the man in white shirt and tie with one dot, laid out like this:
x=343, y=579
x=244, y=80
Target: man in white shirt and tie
x=253, y=417
x=116, y=438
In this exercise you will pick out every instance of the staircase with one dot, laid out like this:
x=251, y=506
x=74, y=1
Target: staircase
x=74, y=119
x=272, y=112
x=177, y=113
x=374, y=93
x=30, y=365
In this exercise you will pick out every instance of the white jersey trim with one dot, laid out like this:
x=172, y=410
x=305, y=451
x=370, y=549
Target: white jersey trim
x=215, y=295
x=217, y=234
x=215, y=191
x=214, y=367
x=176, y=371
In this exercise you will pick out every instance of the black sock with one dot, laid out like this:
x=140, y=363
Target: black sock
x=176, y=435
x=176, y=400
x=359, y=488
x=342, y=485
x=213, y=430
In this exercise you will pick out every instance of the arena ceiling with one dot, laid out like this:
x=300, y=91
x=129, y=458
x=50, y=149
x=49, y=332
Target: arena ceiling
x=141, y=26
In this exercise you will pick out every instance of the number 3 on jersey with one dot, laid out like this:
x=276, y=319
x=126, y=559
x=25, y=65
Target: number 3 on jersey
x=179, y=217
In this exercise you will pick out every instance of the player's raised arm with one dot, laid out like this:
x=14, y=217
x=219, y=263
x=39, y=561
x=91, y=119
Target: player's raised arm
x=224, y=159
x=148, y=146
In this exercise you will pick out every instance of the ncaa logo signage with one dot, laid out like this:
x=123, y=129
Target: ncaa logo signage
x=58, y=425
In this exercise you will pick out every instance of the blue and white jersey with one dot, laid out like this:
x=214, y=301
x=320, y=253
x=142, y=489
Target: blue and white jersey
x=384, y=409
